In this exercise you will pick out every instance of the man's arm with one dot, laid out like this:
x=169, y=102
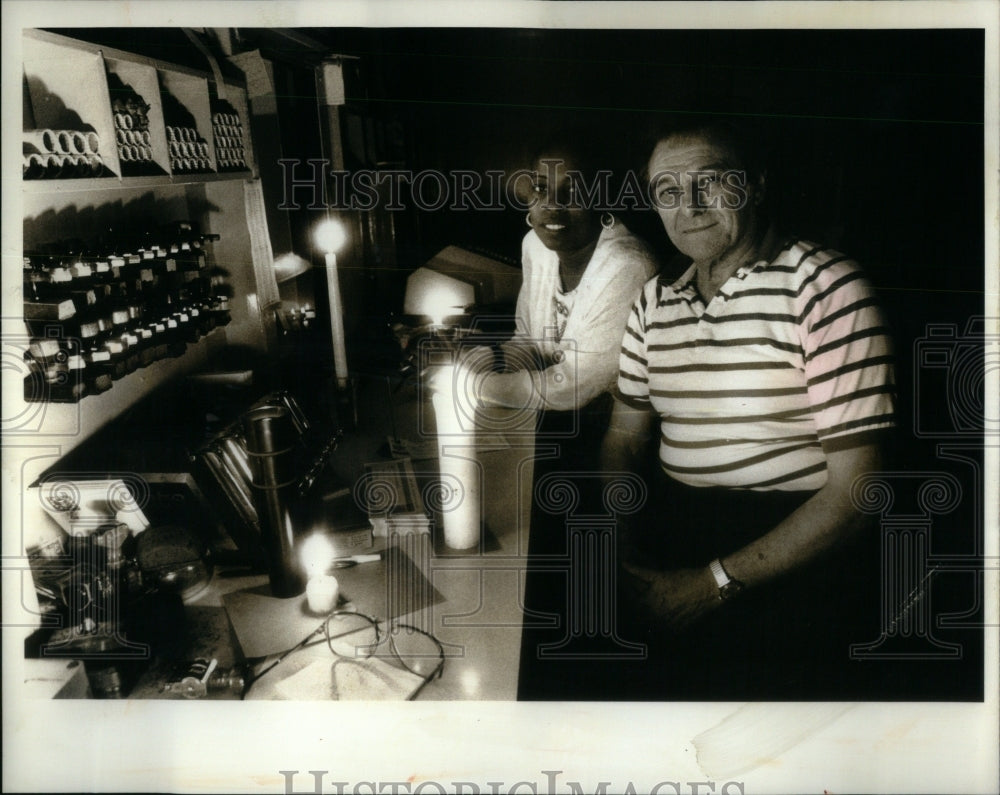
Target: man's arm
x=828, y=517
x=622, y=450
x=626, y=438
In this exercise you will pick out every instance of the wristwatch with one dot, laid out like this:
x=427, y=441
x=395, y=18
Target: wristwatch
x=729, y=588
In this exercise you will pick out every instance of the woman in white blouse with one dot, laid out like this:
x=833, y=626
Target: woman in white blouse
x=582, y=270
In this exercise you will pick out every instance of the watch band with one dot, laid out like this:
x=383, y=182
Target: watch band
x=729, y=587
x=721, y=578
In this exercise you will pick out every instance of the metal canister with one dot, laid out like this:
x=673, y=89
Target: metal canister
x=271, y=438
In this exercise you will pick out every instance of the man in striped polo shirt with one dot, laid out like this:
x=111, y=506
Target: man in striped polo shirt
x=769, y=367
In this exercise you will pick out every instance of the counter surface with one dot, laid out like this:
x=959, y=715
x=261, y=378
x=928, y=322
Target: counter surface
x=477, y=613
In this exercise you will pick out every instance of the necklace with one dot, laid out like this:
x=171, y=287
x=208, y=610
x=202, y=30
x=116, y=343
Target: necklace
x=561, y=311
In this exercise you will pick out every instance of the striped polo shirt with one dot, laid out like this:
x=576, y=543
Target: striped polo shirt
x=789, y=359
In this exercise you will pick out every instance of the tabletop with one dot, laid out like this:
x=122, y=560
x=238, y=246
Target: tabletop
x=470, y=600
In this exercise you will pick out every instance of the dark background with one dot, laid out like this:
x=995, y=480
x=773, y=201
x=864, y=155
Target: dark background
x=877, y=143
x=876, y=137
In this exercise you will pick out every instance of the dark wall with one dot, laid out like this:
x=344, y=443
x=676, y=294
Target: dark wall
x=876, y=136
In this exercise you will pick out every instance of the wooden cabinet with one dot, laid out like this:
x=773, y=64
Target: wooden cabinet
x=79, y=95
x=73, y=86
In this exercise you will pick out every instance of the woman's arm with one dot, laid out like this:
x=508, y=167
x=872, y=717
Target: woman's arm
x=589, y=353
x=516, y=389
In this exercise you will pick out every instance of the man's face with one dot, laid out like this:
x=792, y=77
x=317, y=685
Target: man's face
x=702, y=197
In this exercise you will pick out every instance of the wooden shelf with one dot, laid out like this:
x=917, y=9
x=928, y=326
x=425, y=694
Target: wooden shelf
x=72, y=85
x=43, y=186
x=67, y=88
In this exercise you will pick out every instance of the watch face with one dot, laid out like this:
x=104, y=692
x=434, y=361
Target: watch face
x=730, y=590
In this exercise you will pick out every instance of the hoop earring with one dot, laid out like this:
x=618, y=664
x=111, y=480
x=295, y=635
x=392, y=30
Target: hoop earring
x=607, y=220
x=527, y=220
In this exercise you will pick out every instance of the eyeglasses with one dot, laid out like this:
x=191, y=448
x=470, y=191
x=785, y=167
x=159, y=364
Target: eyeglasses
x=353, y=636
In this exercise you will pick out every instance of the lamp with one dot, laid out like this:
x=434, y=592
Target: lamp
x=288, y=266
x=329, y=236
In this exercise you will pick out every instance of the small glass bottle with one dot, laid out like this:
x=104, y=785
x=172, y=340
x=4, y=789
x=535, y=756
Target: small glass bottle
x=97, y=372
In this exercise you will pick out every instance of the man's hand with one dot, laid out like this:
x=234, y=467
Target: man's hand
x=671, y=599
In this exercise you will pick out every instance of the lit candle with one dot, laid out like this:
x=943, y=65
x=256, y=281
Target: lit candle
x=322, y=593
x=330, y=237
x=316, y=554
x=454, y=411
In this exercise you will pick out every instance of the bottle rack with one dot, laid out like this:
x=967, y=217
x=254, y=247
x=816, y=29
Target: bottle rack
x=132, y=88
x=95, y=316
x=98, y=310
x=92, y=112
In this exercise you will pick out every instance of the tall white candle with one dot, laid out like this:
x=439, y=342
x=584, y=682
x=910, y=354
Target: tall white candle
x=336, y=320
x=454, y=413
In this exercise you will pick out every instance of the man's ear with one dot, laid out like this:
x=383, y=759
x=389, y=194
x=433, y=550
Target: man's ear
x=760, y=187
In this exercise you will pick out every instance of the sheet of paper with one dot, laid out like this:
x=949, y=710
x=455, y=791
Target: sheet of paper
x=266, y=625
x=369, y=679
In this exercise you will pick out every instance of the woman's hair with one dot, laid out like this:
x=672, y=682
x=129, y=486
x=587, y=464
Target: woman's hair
x=585, y=149
x=580, y=146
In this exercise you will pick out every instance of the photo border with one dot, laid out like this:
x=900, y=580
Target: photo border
x=242, y=747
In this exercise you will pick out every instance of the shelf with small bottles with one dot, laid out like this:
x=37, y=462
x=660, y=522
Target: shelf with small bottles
x=99, y=310
x=95, y=116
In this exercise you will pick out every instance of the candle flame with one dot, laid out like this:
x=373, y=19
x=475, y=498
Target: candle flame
x=317, y=554
x=330, y=236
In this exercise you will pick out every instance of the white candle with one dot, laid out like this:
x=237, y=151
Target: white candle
x=336, y=320
x=322, y=593
x=454, y=411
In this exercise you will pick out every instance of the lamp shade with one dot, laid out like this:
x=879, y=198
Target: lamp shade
x=289, y=265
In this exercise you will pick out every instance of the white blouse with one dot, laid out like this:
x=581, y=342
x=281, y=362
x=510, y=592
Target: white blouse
x=578, y=360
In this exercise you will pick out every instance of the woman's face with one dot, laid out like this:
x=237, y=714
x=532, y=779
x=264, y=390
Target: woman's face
x=703, y=198
x=557, y=215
